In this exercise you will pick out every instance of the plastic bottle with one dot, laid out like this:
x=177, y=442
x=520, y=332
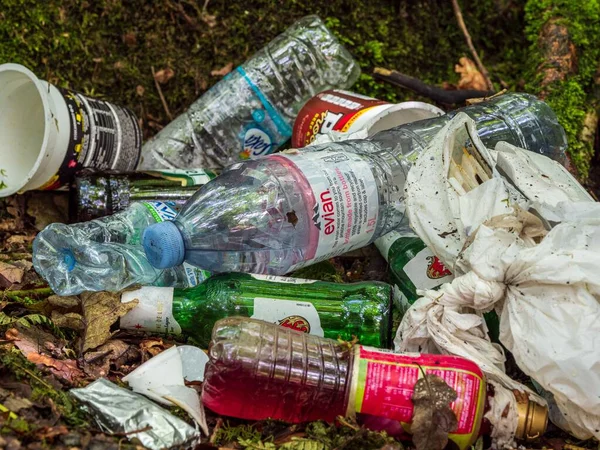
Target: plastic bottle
x=98, y=194
x=258, y=370
x=285, y=211
x=323, y=309
x=251, y=111
x=105, y=254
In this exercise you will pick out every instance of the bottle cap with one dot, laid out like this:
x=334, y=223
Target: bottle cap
x=163, y=245
x=533, y=419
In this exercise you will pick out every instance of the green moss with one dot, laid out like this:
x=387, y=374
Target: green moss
x=572, y=98
x=322, y=271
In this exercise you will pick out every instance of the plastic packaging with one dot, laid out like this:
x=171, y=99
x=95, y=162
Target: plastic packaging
x=324, y=309
x=49, y=133
x=285, y=211
x=98, y=194
x=522, y=237
x=106, y=254
x=251, y=111
x=259, y=370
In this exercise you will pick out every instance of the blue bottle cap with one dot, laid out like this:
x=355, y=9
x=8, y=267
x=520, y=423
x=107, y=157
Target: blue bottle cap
x=163, y=245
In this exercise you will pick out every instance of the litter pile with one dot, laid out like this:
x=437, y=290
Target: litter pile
x=492, y=248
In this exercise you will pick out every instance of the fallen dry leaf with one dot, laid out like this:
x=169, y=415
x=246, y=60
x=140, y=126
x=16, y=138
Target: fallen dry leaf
x=34, y=340
x=139, y=90
x=51, y=432
x=19, y=239
x=129, y=39
x=97, y=363
x=10, y=274
x=15, y=404
x=209, y=20
x=71, y=320
x=432, y=418
x=64, y=302
x=164, y=75
x=66, y=369
x=223, y=70
x=152, y=346
x=470, y=77
x=100, y=311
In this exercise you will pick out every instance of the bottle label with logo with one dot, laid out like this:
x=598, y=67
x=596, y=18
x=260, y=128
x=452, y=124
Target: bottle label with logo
x=160, y=211
x=278, y=279
x=194, y=275
x=346, y=208
x=299, y=316
x=154, y=311
x=426, y=271
x=383, y=383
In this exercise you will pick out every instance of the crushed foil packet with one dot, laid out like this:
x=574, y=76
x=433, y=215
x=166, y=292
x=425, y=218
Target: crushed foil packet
x=119, y=410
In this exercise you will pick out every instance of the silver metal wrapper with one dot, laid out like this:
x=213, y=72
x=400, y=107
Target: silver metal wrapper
x=119, y=410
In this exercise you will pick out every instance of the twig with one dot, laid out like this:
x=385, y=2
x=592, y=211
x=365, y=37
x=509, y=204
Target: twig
x=463, y=27
x=160, y=94
x=435, y=93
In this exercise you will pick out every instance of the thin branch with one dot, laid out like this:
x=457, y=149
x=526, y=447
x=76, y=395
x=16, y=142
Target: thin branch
x=463, y=27
x=435, y=93
x=160, y=94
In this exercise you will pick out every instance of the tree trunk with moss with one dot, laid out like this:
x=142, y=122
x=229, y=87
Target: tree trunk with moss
x=565, y=53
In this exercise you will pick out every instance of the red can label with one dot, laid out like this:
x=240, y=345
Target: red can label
x=383, y=383
x=333, y=110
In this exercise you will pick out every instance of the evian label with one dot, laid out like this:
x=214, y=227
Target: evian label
x=299, y=316
x=154, y=312
x=346, y=208
x=426, y=271
x=256, y=143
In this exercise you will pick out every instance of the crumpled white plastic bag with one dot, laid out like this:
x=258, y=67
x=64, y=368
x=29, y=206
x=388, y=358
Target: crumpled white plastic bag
x=547, y=293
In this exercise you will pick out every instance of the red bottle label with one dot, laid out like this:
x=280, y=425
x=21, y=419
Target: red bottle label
x=383, y=384
x=333, y=110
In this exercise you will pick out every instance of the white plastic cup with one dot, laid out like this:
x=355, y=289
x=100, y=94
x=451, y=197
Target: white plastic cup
x=47, y=134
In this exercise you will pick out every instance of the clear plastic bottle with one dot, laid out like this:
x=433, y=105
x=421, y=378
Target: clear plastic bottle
x=106, y=254
x=258, y=370
x=251, y=111
x=288, y=210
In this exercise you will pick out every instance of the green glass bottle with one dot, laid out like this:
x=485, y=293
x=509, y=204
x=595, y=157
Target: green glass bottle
x=412, y=266
x=325, y=309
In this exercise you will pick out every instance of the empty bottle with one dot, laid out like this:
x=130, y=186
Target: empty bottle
x=284, y=211
x=97, y=194
x=259, y=370
x=251, y=111
x=106, y=254
x=323, y=309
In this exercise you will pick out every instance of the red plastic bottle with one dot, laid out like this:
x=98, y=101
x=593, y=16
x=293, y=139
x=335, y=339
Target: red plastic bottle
x=258, y=370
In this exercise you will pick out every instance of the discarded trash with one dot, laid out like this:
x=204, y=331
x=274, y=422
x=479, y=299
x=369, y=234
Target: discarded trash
x=117, y=410
x=245, y=365
x=285, y=211
x=250, y=113
x=97, y=195
x=49, y=133
x=342, y=115
x=162, y=379
x=521, y=236
x=105, y=254
x=324, y=309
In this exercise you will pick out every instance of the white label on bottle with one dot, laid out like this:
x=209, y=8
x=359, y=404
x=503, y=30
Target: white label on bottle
x=278, y=279
x=195, y=275
x=400, y=301
x=160, y=211
x=299, y=316
x=154, y=312
x=198, y=176
x=426, y=271
x=346, y=201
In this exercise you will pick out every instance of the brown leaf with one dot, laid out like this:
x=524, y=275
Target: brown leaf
x=153, y=346
x=97, y=363
x=35, y=340
x=100, y=311
x=19, y=239
x=71, y=320
x=139, y=90
x=432, y=418
x=209, y=20
x=470, y=77
x=64, y=302
x=223, y=70
x=10, y=274
x=15, y=404
x=66, y=369
x=164, y=75
x=51, y=432
x=129, y=39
